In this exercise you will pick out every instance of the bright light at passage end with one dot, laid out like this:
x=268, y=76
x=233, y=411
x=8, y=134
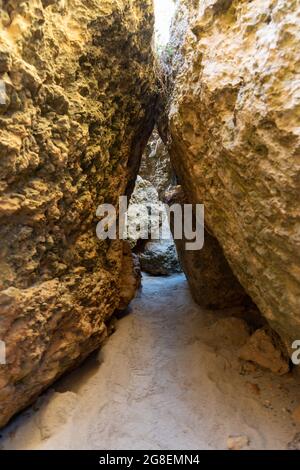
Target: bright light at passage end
x=164, y=11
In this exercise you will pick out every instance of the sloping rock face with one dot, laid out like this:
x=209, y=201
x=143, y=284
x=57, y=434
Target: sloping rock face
x=211, y=281
x=234, y=140
x=78, y=112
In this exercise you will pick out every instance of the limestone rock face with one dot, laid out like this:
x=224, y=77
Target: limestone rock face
x=157, y=256
x=156, y=166
x=75, y=119
x=210, y=278
x=156, y=175
x=265, y=349
x=130, y=279
x=233, y=134
x=141, y=201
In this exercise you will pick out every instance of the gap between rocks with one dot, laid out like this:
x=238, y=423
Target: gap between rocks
x=174, y=375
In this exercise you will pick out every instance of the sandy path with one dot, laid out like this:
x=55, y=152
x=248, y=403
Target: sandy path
x=167, y=379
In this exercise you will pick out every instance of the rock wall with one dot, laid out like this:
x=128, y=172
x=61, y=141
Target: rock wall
x=156, y=175
x=156, y=257
x=156, y=165
x=233, y=136
x=78, y=112
x=211, y=281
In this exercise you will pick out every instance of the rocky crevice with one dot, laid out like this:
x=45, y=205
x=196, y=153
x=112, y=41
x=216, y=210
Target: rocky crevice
x=81, y=101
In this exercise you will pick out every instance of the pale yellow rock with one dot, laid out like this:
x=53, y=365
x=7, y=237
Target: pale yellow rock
x=234, y=126
x=156, y=166
x=265, y=349
x=80, y=91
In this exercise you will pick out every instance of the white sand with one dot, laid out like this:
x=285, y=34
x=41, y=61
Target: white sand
x=169, y=378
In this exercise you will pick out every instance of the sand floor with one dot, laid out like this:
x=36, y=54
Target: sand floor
x=168, y=378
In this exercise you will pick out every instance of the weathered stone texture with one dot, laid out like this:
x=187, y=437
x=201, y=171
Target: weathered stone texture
x=234, y=120
x=156, y=165
x=156, y=175
x=264, y=348
x=157, y=257
x=78, y=113
x=210, y=278
x=130, y=279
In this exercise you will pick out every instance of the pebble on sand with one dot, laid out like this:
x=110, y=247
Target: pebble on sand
x=237, y=442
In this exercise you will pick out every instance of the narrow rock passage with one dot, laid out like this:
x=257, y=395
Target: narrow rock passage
x=168, y=378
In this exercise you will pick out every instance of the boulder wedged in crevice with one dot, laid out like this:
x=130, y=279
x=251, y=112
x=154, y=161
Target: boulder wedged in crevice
x=78, y=111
